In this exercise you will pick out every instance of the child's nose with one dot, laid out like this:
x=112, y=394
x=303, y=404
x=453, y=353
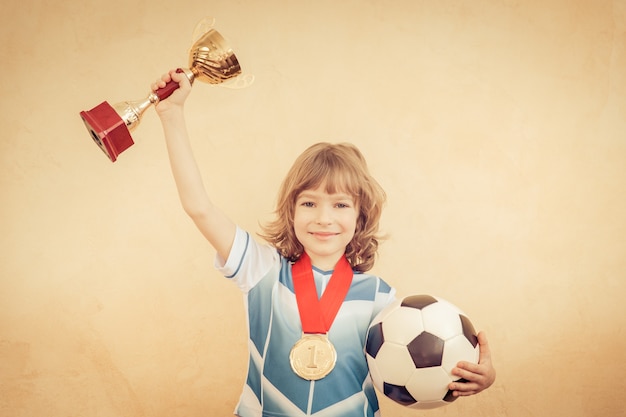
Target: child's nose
x=324, y=215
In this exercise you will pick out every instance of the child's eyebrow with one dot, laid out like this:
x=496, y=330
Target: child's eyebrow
x=336, y=196
x=342, y=196
x=307, y=194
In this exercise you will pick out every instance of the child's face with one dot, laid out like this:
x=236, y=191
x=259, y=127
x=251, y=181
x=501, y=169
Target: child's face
x=324, y=224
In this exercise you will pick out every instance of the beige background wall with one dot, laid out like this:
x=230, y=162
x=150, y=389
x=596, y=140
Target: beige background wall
x=498, y=129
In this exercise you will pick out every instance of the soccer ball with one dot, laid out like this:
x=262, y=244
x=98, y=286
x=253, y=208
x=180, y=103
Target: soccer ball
x=412, y=346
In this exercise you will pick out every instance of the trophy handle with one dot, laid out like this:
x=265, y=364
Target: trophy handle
x=171, y=86
x=202, y=27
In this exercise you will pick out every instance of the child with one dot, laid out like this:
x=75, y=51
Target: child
x=308, y=296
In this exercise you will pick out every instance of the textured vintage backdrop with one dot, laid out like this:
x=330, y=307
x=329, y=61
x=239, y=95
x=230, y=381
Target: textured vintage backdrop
x=498, y=128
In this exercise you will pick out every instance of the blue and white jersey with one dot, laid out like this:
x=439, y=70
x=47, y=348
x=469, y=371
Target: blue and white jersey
x=272, y=389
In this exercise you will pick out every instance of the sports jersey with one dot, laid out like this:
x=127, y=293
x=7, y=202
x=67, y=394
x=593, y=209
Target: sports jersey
x=272, y=389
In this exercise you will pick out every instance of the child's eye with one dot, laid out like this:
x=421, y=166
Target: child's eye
x=307, y=204
x=342, y=205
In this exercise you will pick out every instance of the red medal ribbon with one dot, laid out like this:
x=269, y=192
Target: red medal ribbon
x=318, y=314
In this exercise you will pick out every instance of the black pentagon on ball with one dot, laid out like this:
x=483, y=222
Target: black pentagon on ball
x=418, y=301
x=449, y=397
x=468, y=330
x=426, y=350
x=375, y=339
x=398, y=393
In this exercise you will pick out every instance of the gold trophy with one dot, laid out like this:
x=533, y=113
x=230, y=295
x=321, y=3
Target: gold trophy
x=211, y=60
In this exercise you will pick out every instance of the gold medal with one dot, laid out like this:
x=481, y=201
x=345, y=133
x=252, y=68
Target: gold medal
x=313, y=357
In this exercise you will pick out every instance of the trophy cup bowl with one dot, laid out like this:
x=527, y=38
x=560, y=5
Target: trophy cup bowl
x=211, y=60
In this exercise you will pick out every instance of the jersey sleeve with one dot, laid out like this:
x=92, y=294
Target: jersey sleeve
x=248, y=261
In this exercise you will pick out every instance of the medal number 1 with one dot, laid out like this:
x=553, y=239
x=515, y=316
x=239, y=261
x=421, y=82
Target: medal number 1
x=312, y=363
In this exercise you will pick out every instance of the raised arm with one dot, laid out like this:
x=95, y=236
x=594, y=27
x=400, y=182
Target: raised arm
x=216, y=227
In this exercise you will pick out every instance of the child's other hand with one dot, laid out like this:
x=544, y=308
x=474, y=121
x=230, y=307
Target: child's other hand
x=478, y=377
x=178, y=97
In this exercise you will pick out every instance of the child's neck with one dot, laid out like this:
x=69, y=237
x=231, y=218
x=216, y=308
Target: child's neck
x=324, y=263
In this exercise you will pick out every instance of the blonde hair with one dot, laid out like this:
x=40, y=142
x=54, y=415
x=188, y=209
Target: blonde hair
x=341, y=167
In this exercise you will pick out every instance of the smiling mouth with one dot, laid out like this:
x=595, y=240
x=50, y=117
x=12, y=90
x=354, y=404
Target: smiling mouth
x=323, y=235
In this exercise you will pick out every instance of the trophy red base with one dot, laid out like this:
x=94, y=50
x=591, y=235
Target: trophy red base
x=107, y=129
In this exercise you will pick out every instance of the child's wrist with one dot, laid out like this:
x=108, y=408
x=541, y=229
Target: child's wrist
x=173, y=112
